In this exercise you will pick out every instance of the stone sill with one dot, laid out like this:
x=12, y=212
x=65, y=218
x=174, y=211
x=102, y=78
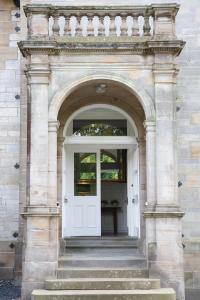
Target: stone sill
x=163, y=214
x=25, y=215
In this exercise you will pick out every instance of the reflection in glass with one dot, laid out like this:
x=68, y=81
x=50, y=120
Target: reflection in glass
x=85, y=174
x=100, y=127
x=113, y=165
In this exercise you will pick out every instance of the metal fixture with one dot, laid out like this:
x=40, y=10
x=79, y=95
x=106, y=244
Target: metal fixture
x=17, y=15
x=17, y=28
x=15, y=234
x=101, y=88
x=180, y=183
x=16, y=166
x=12, y=245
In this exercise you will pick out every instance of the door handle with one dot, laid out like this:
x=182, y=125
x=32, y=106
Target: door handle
x=65, y=200
x=133, y=200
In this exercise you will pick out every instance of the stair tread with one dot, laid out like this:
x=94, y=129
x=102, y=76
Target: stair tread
x=74, y=257
x=101, y=269
x=102, y=279
x=101, y=238
x=99, y=245
x=162, y=291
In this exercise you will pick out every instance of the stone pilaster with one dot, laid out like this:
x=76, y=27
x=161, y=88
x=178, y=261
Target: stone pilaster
x=38, y=80
x=150, y=163
x=165, y=79
x=168, y=258
x=150, y=204
x=41, y=212
x=52, y=163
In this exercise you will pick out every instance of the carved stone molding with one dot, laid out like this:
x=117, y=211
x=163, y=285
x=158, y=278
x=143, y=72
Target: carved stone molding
x=97, y=46
x=38, y=211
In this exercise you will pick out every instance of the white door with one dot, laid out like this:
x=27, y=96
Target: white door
x=82, y=205
x=133, y=212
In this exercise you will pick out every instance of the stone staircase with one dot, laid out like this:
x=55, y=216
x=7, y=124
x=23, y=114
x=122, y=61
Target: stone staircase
x=102, y=269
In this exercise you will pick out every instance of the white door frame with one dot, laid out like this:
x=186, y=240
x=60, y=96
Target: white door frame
x=93, y=143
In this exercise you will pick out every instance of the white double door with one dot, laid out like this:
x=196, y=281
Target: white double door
x=82, y=199
x=82, y=191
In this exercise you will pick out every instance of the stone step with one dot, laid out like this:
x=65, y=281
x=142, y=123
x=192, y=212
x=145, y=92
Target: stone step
x=101, y=273
x=155, y=294
x=100, y=245
x=101, y=242
x=101, y=251
x=104, y=262
x=102, y=238
x=102, y=284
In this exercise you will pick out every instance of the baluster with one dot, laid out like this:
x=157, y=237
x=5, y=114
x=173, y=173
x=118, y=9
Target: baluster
x=112, y=31
x=56, y=27
x=101, y=29
x=29, y=24
x=67, y=29
x=90, y=29
x=146, y=27
x=78, y=26
x=135, y=28
x=124, y=28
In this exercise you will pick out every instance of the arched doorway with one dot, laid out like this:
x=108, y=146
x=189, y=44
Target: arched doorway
x=100, y=173
x=122, y=100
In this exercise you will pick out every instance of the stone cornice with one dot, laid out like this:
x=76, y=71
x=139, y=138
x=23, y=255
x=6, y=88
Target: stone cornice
x=48, y=8
x=97, y=45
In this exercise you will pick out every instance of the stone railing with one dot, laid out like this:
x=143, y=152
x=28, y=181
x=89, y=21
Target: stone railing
x=151, y=21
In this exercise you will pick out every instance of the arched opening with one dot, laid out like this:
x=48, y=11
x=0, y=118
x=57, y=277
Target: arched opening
x=101, y=131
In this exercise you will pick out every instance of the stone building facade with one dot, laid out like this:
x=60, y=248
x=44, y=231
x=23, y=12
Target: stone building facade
x=148, y=74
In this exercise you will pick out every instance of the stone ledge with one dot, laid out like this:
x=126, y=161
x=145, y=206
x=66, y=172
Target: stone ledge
x=41, y=211
x=163, y=214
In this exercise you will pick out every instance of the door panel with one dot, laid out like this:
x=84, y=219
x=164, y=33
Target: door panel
x=133, y=194
x=82, y=191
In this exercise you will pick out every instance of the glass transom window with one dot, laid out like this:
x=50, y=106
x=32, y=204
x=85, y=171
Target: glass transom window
x=100, y=127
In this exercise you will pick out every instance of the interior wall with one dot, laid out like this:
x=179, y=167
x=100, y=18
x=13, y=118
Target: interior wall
x=115, y=191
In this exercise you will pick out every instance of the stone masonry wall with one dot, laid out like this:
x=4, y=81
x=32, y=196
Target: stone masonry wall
x=9, y=134
x=188, y=141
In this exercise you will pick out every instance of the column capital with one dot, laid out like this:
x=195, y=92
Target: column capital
x=150, y=125
x=53, y=125
x=165, y=73
x=38, y=73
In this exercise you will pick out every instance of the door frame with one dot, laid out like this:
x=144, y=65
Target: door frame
x=94, y=143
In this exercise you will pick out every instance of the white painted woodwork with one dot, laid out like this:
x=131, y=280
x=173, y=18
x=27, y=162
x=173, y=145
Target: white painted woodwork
x=82, y=214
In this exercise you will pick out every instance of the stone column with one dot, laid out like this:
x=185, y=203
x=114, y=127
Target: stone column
x=40, y=251
x=169, y=251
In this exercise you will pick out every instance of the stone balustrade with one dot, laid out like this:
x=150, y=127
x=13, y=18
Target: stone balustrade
x=150, y=21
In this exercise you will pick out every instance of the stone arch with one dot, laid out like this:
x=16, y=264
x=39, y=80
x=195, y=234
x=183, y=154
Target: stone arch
x=139, y=92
